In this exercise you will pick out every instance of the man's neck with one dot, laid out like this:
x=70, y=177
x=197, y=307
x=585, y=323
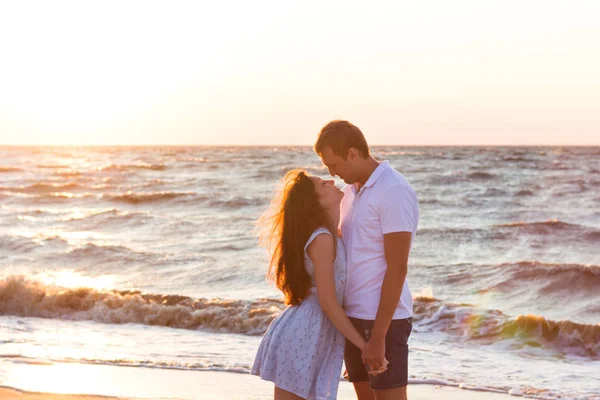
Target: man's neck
x=369, y=167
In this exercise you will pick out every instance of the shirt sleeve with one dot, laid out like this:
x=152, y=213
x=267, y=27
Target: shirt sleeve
x=397, y=209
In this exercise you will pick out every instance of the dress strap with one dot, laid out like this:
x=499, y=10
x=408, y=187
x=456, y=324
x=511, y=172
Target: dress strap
x=316, y=233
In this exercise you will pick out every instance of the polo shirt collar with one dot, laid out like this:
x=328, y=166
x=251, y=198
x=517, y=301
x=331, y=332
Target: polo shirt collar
x=374, y=176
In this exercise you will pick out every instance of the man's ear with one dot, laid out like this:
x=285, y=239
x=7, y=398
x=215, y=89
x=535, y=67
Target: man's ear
x=353, y=153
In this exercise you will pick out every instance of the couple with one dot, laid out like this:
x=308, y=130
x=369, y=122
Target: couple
x=347, y=296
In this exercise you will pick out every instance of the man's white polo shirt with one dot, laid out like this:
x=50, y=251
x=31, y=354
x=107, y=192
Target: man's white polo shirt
x=386, y=203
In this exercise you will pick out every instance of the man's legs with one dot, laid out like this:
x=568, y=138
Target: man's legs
x=390, y=385
x=398, y=393
x=363, y=390
x=356, y=372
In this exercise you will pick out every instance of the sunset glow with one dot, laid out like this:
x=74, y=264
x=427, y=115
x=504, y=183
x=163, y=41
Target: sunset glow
x=464, y=72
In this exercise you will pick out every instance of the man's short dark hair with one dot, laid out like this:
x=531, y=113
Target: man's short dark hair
x=340, y=136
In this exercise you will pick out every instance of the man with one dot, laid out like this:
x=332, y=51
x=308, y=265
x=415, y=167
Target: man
x=379, y=218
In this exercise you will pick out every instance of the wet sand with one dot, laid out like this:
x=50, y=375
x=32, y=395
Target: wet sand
x=110, y=382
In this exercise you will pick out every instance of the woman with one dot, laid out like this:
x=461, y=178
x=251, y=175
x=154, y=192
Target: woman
x=303, y=349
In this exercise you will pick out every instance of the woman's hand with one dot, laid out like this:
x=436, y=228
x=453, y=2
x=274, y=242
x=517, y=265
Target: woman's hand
x=381, y=370
x=373, y=354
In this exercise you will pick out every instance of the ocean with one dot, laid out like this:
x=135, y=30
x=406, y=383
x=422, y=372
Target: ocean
x=147, y=257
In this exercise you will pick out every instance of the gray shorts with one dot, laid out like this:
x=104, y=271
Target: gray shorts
x=396, y=352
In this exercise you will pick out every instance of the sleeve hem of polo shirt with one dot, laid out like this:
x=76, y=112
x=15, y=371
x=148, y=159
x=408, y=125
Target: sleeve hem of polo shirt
x=401, y=228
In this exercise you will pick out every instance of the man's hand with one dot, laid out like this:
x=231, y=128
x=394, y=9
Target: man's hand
x=378, y=371
x=373, y=355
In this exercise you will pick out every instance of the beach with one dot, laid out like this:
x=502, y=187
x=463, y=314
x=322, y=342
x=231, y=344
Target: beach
x=121, y=382
x=136, y=272
x=144, y=150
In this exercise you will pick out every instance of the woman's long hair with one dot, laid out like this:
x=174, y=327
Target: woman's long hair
x=294, y=215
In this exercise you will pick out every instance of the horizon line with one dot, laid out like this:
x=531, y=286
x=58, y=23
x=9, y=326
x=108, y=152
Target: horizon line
x=294, y=145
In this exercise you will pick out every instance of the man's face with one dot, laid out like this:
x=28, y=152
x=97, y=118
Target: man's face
x=338, y=166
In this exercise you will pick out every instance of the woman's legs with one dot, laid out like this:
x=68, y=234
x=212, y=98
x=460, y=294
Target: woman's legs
x=281, y=394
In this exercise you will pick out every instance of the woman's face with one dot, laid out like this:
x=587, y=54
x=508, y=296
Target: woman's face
x=329, y=195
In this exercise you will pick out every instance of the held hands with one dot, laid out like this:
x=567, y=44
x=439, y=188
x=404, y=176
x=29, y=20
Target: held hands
x=373, y=356
x=381, y=370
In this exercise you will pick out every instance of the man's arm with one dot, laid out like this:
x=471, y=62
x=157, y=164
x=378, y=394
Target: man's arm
x=396, y=211
x=397, y=248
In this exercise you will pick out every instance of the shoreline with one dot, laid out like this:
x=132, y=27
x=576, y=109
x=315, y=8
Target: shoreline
x=415, y=391
x=10, y=393
x=101, y=382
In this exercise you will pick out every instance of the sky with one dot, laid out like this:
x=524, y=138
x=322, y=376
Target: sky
x=274, y=72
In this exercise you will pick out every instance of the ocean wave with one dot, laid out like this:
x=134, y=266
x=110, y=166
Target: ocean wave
x=494, y=192
x=545, y=280
x=44, y=188
x=430, y=201
x=152, y=183
x=127, y=167
x=95, y=214
x=45, y=198
x=525, y=192
x=389, y=152
x=594, y=235
x=540, y=279
x=481, y=176
x=227, y=247
x=109, y=218
x=51, y=193
x=238, y=202
x=537, y=269
x=517, y=158
x=492, y=326
x=510, y=230
x=17, y=244
x=52, y=166
x=68, y=173
x=193, y=160
x=546, y=227
x=28, y=298
x=558, y=166
x=59, y=197
x=10, y=169
x=139, y=363
x=36, y=211
x=151, y=197
x=93, y=253
x=268, y=175
x=23, y=244
x=20, y=296
x=271, y=173
x=449, y=231
x=459, y=177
